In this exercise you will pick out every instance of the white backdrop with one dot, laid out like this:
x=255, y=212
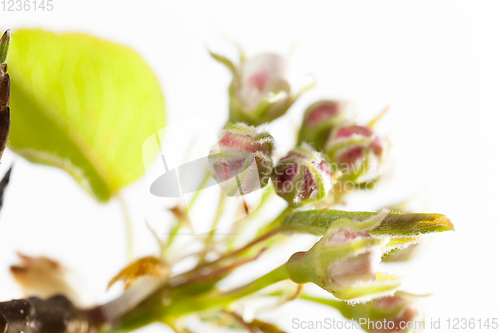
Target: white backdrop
x=436, y=63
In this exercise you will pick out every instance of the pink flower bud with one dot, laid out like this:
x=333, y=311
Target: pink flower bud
x=394, y=314
x=319, y=119
x=398, y=313
x=302, y=176
x=357, y=152
x=344, y=261
x=260, y=77
x=244, y=153
x=260, y=90
x=361, y=267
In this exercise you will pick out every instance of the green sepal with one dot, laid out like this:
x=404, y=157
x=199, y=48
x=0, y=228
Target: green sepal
x=261, y=113
x=317, y=222
x=400, y=243
x=4, y=46
x=318, y=135
x=225, y=61
x=383, y=284
x=281, y=101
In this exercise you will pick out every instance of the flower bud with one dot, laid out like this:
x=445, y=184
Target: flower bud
x=242, y=161
x=319, y=119
x=357, y=152
x=361, y=267
x=398, y=313
x=260, y=90
x=391, y=314
x=344, y=262
x=401, y=309
x=302, y=176
x=4, y=46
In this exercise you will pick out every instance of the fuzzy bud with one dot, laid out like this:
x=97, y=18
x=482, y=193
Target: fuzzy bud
x=399, y=313
x=345, y=261
x=319, y=119
x=242, y=161
x=357, y=152
x=4, y=46
x=302, y=176
x=260, y=90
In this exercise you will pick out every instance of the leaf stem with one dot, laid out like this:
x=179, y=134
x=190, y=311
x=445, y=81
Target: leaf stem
x=197, y=194
x=186, y=305
x=174, y=231
x=128, y=227
x=218, y=215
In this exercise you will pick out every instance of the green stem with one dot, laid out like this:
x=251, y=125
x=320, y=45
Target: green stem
x=218, y=215
x=128, y=227
x=182, y=303
x=233, y=254
x=197, y=194
x=186, y=305
x=174, y=231
x=277, y=221
x=345, y=308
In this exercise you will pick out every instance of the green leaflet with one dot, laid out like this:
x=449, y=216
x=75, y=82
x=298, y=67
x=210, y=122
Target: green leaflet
x=84, y=105
x=317, y=222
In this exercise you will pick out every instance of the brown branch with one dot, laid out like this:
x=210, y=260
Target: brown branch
x=4, y=107
x=54, y=315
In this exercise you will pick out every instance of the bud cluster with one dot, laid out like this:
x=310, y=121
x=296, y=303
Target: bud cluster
x=355, y=152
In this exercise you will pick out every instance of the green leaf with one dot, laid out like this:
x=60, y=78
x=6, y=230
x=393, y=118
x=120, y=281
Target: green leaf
x=84, y=105
x=317, y=222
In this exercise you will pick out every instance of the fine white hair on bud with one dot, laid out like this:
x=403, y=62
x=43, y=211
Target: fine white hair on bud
x=359, y=268
x=302, y=176
x=357, y=152
x=321, y=118
x=262, y=77
x=260, y=90
x=241, y=162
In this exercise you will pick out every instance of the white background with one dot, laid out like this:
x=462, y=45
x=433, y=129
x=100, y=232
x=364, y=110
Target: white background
x=436, y=63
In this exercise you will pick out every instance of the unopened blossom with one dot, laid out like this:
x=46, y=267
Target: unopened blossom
x=361, y=267
x=242, y=161
x=302, y=176
x=357, y=152
x=398, y=313
x=401, y=313
x=260, y=90
x=320, y=119
x=345, y=261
